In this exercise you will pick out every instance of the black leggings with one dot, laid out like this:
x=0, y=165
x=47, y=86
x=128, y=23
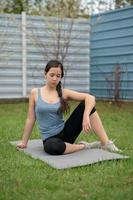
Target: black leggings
x=56, y=145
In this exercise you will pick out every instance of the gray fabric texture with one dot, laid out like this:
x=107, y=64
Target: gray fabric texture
x=76, y=159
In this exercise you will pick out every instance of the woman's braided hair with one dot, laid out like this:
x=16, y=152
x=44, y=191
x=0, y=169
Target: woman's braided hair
x=56, y=63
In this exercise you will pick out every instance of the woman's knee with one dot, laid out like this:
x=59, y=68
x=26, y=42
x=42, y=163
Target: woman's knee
x=82, y=107
x=54, y=146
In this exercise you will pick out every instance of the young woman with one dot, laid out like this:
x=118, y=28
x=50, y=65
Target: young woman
x=47, y=105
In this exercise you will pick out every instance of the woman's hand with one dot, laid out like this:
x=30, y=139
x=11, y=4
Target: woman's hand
x=21, y=145
x=86, y=126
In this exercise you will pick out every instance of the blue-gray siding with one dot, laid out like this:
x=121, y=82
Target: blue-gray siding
x=111, y=73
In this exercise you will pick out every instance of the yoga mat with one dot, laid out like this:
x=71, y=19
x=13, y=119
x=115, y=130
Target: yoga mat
x=76, y=159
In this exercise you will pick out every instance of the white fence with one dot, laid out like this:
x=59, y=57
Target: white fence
x=27, y=43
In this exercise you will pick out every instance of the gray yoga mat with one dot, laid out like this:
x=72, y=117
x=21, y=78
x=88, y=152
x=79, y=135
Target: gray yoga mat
x=80, y=158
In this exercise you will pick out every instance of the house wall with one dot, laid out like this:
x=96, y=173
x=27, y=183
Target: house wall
x=111, y=58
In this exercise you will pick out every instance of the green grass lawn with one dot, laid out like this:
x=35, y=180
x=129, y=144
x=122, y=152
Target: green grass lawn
x=24, y=178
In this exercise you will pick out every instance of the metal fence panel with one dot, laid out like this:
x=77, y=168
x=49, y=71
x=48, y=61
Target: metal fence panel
x=28, y=42
x=10, y=56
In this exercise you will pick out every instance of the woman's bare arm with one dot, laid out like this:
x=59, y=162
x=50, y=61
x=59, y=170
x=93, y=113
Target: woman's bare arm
x=30, y=121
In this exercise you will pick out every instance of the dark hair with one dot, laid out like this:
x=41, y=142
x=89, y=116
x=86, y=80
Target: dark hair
x=56, y=63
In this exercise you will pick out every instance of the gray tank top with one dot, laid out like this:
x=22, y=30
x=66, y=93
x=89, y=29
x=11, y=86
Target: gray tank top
x=49, y=117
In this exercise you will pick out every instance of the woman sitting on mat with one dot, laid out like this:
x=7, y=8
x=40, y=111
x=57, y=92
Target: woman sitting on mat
x=47, y=105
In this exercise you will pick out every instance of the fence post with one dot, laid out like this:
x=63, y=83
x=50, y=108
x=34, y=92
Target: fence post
x=24, y=55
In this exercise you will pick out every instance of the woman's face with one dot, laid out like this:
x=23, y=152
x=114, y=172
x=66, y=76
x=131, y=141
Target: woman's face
x=53, y=76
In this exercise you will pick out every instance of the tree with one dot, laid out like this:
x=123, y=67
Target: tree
x=59, y=27
x=15, y=6
x=91, y=7
x=123, y=3
x=67, y=8
x=61, y=36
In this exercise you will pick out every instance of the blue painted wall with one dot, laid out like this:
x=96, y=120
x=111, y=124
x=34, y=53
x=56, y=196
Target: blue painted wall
x=111, y=74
